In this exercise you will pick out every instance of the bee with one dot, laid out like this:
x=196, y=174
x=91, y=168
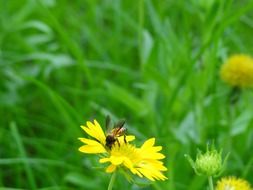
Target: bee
x=117, y=131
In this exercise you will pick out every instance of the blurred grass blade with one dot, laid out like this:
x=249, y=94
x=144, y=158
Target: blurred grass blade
x=186, y=131
x=240, y=125
x=80, y=180
x=9, y=188
x=154, y=18
x=36, y=161
x=21, y=149
x=63, y=107
x=73, y=47
x=124, y=97
x=146, y=46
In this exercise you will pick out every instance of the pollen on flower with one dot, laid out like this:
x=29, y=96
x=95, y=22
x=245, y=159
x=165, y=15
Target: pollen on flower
x=237, y=71
x=144, y=161
x=232, y=183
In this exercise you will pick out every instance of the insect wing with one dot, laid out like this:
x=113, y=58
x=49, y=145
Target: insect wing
x=120, y=124
x=107, y=122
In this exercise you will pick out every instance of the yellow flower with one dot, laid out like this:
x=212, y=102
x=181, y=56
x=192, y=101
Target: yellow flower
x=144, y=161
x=238, y=71
x=232, y=183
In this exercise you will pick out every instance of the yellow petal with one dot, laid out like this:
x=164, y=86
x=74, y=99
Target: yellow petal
x=90, y=149
x=155, y=156
x=103, y=160
x=100, y=130
x=127, y=163
x=111, y=168
x=154, y=165
x=116, y=160
x=151, y=172
x=135, y=171
x=146, y=173
x=157, y=148
x=148, y=143
x=128, y=138
x=158, y=165
x=161, y=177
x=89, y=141
x=95, y=131
x=89, y=131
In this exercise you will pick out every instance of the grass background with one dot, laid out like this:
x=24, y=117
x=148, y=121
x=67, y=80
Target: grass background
x=155, y=63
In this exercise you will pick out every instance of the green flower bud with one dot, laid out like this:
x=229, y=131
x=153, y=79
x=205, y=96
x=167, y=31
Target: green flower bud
x=208, y=163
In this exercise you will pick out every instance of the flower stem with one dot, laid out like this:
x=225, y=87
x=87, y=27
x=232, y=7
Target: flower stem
x=112, y=180
x=210, y=180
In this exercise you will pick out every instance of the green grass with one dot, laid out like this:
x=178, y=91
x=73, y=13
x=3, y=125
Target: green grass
x=154, y=63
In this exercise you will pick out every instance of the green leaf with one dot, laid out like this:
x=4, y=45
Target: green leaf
x=80, y=180
x=126, y=98
x=241, y=123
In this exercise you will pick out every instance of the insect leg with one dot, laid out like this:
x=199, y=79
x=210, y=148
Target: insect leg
x=118, y=142
x=125, y=139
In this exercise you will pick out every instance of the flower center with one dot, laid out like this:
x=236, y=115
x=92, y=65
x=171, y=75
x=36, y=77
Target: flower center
x=229, y=187
x=126, y=150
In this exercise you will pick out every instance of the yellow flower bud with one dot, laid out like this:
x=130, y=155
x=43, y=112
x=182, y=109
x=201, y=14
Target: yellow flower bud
x=237, y=71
